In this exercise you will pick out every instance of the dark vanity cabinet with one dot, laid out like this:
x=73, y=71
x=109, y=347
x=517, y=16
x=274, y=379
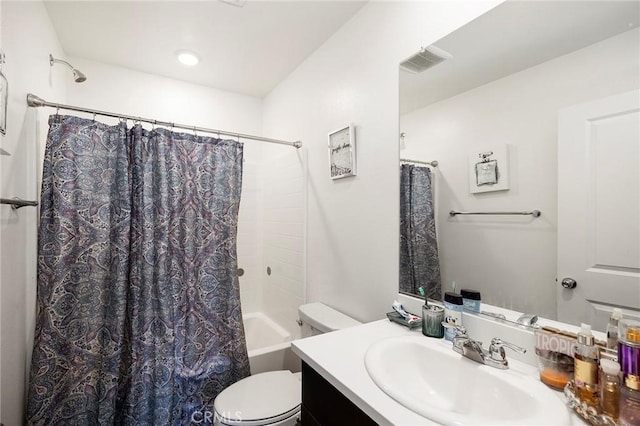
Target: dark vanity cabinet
x=324, y=405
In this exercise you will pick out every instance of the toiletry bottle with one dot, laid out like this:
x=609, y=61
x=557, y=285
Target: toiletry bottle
x=586, y=368
x=452, y=313
x=629, y=359
x=612, y=328
x=470, y=300
x=610, y=388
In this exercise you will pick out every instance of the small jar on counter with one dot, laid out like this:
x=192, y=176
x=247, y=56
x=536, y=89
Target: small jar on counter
x=471, y=300
x=432, y=317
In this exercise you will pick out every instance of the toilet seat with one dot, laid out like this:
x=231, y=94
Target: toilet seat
x=263, y=399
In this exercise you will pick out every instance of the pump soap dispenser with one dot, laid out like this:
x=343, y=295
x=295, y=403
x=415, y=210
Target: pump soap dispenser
x=586, y=368
x=612, y=328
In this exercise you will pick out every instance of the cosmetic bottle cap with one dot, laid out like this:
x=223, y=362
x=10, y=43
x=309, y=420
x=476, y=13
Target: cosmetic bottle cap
x=585, y=337
x=617, y=314
x=470, y=294
x=629, y=332
x=454, y=298
x=610, y=367
x=633, y=335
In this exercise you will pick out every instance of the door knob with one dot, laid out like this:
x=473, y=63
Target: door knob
x=569, y=283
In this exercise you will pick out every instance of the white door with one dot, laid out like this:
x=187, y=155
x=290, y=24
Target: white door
x=599, y=209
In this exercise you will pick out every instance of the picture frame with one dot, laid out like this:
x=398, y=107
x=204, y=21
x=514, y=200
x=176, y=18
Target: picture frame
x=4, y=98
x=489, y=169
x=342, y=152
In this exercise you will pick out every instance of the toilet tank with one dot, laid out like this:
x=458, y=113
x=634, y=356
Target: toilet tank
x=323, y=319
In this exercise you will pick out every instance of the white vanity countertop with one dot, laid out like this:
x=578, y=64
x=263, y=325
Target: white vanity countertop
x=339, y=358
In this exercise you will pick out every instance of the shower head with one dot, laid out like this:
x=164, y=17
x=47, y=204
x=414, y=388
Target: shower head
x=78, y=76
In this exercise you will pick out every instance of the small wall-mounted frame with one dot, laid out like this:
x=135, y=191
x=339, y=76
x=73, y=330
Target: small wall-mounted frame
x=342, y=152
x=4, y=89
x=489, y=169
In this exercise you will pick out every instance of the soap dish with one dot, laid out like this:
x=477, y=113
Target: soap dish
x=396, y=317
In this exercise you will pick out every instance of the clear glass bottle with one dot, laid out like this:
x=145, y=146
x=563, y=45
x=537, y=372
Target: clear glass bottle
x=610, y=388
x=586, y=368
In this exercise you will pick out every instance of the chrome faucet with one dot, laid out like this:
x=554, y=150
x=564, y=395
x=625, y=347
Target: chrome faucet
x=529, y=320
x=472, y=349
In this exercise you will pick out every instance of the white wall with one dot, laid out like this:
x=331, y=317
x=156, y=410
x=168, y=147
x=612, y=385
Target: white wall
x=27, y=39
x=352, y=236
x=512, y=261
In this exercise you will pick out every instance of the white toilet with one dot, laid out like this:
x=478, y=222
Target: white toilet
x=273, y=398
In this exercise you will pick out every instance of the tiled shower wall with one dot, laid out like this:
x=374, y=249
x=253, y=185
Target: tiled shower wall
x=249, y=238
x=283, y=243
x=271, y=234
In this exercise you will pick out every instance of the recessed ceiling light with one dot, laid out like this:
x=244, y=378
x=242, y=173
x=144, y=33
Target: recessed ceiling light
x=187, y=58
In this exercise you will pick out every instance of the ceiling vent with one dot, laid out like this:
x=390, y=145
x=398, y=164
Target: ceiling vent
x=425, y=59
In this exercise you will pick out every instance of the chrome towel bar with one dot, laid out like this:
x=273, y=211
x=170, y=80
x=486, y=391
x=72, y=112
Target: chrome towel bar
x=17, y=203
x=534, y=213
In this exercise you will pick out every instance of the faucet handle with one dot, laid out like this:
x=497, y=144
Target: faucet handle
x=496, y=349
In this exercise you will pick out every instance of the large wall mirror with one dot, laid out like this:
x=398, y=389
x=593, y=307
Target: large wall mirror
x=493, y=104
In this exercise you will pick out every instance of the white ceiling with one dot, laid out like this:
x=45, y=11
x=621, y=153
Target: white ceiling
x=514, y=36
x=246, y=50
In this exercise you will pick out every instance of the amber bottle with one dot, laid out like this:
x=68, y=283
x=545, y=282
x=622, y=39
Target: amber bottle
x=586, y=368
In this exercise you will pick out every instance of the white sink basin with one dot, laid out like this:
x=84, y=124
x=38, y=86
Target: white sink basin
x=426, y=376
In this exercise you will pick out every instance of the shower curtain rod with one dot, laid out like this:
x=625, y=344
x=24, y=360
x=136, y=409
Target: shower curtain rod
x=433, y=163
x=35, y=101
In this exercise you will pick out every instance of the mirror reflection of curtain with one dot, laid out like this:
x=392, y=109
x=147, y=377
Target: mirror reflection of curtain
x=419, y=263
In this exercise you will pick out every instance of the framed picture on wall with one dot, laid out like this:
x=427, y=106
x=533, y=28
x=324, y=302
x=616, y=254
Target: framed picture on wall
x=489, y=169
x=342, y=152
x=4, y=89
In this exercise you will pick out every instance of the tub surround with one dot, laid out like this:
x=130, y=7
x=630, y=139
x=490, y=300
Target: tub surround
x=343, y=367
x=268, y=345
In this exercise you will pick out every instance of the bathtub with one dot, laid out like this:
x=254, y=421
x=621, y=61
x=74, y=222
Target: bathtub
x=268, y=345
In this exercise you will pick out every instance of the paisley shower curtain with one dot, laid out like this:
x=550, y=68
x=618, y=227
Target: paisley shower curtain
x=138, y=319
x=419, y=262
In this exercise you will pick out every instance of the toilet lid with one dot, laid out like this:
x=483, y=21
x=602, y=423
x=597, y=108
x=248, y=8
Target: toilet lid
x=270, y=396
